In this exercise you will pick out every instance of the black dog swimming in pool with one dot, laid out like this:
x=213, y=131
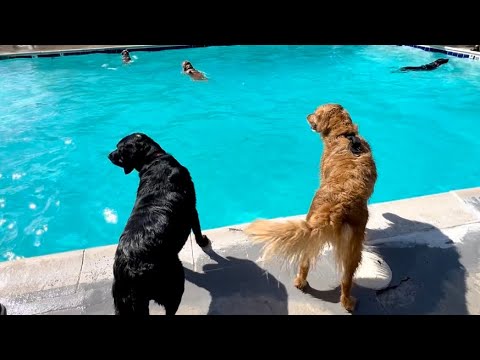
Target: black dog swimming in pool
x=147, y=266
x=428, y=67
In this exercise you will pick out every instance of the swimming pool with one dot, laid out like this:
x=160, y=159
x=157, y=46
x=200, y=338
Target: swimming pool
x=243, y=134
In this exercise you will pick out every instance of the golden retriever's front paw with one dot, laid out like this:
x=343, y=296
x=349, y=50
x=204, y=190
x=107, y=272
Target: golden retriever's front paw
x=300, y=283
x=348, y=303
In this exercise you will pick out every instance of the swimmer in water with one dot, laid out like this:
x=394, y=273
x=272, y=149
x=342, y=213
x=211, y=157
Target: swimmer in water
x=189, y=70
x=126, y=56
x=427, y=67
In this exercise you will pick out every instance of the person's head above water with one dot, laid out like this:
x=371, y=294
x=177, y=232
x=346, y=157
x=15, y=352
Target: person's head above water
x=188, y=69
x=187, y=65
x=126, y=56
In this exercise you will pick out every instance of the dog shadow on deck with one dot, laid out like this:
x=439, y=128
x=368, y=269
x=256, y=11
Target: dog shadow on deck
x=239, y=287
x=426, y=279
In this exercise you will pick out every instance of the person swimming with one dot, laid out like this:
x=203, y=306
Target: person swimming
x=189, y=70
x=126, y=57
x=431, y=66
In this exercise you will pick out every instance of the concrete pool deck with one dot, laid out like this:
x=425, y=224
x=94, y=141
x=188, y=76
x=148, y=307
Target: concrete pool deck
x=430, y=243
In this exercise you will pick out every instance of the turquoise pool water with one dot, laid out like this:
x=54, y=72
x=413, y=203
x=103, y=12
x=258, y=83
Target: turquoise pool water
x=243, y=134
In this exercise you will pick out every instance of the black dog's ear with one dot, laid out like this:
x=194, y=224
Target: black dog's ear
x=141, y=146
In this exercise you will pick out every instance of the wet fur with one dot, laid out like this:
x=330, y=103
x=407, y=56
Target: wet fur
x=338, y=213
x=147, y=266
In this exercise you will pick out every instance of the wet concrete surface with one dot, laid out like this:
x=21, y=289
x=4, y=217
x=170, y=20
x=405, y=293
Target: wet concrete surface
x=434, y=261
x=426, y=280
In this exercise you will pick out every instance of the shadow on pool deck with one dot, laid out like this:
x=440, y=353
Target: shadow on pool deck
x=240, y=286
x=426, y=279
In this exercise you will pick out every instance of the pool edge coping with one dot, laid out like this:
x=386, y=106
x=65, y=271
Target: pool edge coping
x=85, y=51
x=443, y=211
x=447, y=50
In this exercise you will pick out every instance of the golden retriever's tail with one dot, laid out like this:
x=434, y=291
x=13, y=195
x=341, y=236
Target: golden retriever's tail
x=292, y=241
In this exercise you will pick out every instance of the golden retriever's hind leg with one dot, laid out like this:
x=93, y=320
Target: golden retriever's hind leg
x=301, y=279
x=350, y=261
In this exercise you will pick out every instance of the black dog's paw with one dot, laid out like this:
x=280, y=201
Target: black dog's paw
x=204, y=241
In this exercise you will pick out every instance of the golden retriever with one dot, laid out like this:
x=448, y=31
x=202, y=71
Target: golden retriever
x=338, y=213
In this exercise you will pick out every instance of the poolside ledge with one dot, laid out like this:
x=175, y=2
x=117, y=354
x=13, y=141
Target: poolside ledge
x=10, y=51
x=430, y=243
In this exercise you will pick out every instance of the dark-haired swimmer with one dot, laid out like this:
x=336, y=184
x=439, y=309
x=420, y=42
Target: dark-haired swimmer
x=126, y=56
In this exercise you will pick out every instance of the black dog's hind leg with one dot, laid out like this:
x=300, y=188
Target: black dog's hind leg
x=171, y=295
x=126, y=302
x=202, y=240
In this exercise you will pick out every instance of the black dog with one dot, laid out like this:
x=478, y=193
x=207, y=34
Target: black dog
x=428, y=67
x=146, y=264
